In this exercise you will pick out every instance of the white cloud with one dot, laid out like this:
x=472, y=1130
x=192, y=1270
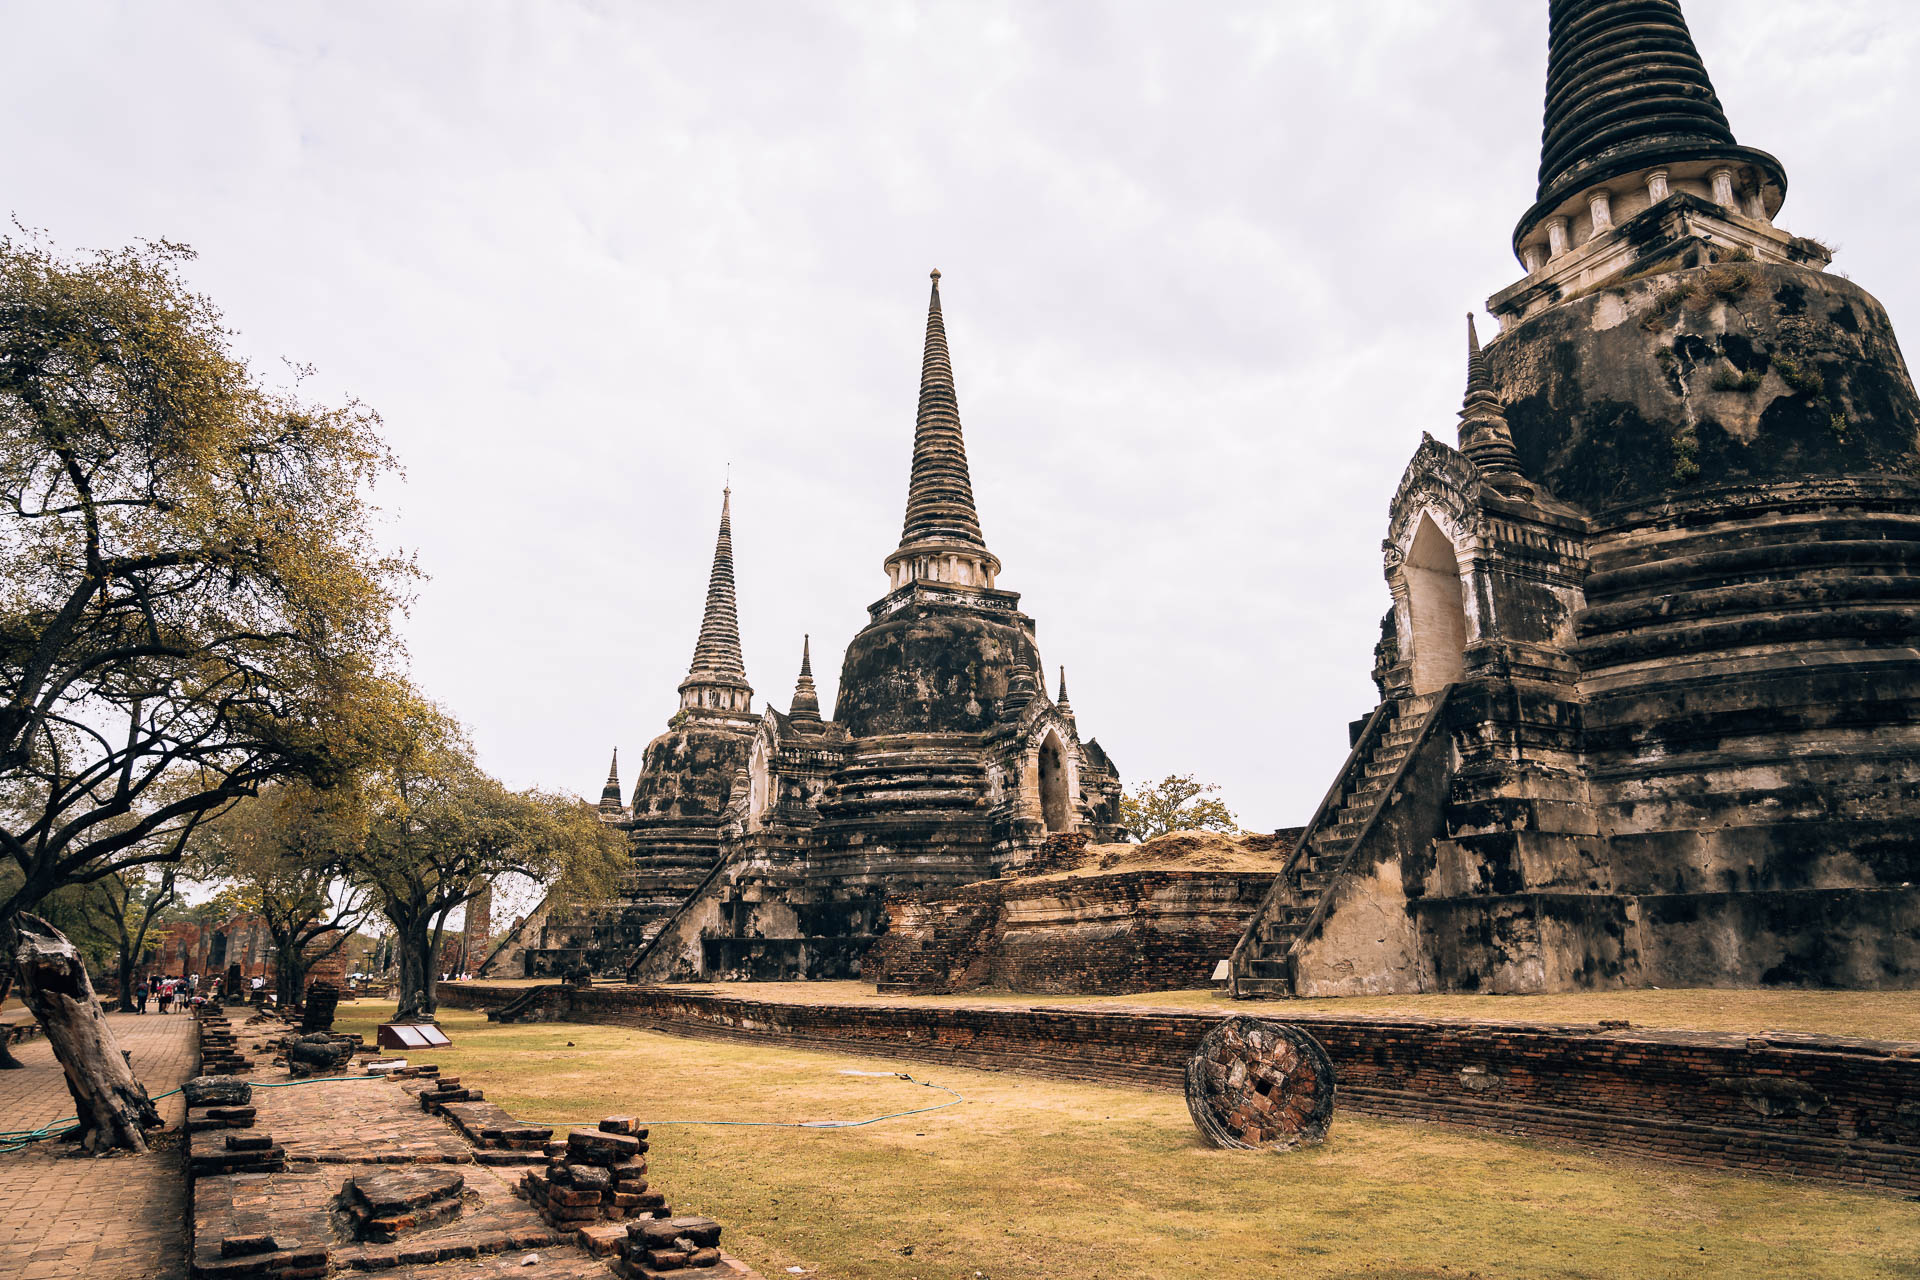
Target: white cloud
x=1204, y=267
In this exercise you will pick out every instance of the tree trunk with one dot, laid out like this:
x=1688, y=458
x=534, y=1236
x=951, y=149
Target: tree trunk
x=126, y=979
x=7, y=1061
x=415, y=995
x=290, y=976
x=113, y=1107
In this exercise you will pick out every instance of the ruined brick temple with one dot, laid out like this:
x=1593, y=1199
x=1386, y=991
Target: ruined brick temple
x=764, y=846
x=686, y=778
x=1649, y=686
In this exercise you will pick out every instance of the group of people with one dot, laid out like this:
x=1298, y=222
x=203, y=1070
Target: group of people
x=177, y=995
x=173, y=995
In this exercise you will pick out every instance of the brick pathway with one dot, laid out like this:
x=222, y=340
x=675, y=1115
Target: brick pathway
x=356, y=1121
x=118, y=1218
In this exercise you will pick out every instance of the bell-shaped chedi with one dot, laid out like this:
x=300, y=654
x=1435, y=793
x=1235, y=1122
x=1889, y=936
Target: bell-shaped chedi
x=1648, y=709
x=1668, y=337
x=679, y=796
x=940, y=649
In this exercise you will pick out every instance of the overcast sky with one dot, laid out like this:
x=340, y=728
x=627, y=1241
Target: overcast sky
x=1203, y=270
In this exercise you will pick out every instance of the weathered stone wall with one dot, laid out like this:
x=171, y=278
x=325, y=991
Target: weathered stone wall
x=1120, y=932
x=1723, y=373
x=1814, y=1106
x=928, y=669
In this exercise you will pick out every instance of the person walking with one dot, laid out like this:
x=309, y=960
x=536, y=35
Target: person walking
x=140, y=997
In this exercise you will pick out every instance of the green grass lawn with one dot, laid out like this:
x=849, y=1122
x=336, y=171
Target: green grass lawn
x=1031, y=1178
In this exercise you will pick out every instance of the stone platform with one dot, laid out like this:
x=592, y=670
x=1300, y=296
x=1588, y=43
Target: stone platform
x=382, y=1174
x=1822, y=1107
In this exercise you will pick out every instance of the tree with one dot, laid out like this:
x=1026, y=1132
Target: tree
x=288, y=851
x=191, y=604
x=133, y=902
x=1178, y=802
x=440, y=830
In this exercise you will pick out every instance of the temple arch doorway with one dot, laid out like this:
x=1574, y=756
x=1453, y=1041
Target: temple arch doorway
x=1054, y=808
x=1436, y=608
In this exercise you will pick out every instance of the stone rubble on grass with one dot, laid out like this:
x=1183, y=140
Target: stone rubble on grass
x=596, y=1175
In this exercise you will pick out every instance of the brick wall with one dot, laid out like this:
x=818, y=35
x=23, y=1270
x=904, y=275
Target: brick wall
x=1823, y=1107
x=1108, y=934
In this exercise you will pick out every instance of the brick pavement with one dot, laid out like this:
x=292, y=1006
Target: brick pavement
x=356, y=1122
x=117, y=1218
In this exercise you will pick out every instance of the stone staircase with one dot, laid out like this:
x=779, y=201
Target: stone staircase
x=1262, y=963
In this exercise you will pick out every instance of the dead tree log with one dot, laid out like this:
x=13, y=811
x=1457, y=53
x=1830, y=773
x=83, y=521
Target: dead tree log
x=113, y=1107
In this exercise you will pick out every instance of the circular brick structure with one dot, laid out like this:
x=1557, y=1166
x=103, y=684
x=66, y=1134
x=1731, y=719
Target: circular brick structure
x=1257, y=1085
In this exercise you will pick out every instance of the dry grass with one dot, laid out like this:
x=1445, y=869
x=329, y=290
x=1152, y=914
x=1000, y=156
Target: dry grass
x=1034, y=1178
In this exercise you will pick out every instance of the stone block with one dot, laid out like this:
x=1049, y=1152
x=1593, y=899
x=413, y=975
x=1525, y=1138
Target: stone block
x=590, y=1146
x=217, y=1091
x=702, y=1231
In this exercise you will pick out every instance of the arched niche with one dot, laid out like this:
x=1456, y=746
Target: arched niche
x=1056, y=809
x=1436, y=606
x=759, y=783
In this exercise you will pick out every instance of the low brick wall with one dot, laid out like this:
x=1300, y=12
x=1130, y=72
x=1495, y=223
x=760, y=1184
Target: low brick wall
x=1814, y=1106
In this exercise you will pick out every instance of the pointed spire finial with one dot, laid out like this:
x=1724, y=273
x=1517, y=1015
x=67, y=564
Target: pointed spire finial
x=1484, y=434
x=610, y=794
x=717, y=678
x=1061, y=701
x=940, y=537
x=806, y=701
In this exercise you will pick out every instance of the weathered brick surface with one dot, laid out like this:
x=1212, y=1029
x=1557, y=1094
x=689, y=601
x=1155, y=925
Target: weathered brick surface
x=113, y=1219
x=1124, y=931
x=1814, y=1106
x=368, y=1121
x=294, y=1208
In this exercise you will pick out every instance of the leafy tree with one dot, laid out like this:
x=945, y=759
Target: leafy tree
x=439, y=831
x=1178, y=802
x=133, y=903
x=191, y=604
x=288, y=851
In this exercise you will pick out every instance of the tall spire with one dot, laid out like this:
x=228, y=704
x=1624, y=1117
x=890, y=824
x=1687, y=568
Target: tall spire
x=717, y=678
x=1066, y=708
x=1627, y=93
x=806, y=702
x=1484, y=434
x=610, y=794
x=940, y=539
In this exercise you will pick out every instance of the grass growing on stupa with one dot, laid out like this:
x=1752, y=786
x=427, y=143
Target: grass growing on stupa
x=1032, y=1178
